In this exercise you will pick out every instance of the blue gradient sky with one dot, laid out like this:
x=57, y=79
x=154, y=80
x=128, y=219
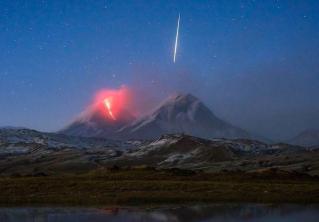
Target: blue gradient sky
x=255, y=63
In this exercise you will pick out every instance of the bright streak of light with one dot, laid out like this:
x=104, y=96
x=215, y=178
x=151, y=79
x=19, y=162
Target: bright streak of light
x=176, y=39
x=107, y=104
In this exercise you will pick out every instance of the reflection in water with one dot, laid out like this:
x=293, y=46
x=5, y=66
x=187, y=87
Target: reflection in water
x=234, y=213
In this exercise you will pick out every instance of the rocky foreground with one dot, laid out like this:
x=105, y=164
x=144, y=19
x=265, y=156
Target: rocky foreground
x=28, y=152
x=52, y=169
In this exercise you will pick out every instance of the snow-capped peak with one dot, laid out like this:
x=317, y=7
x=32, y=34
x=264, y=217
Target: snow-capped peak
x=181, y=113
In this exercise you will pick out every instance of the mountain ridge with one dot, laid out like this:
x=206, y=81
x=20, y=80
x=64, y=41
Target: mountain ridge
x=182, y=113
x=308, y=137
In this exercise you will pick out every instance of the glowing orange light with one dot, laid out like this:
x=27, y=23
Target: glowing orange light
x=113, y=104
x=107, y=104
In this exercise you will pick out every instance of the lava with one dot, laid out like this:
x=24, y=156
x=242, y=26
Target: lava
x=113, y=103
x=107, y=103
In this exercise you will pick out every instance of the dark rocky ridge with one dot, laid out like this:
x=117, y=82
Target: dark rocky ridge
x=28, y=152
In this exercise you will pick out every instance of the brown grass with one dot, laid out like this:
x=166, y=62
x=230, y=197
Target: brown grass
x=149, y=187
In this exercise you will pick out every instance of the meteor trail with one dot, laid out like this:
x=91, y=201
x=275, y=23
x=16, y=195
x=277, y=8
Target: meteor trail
x=176, y=39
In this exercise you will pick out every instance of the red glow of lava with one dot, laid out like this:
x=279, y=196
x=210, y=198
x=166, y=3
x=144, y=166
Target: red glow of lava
x=112, y=102
x=107, y=103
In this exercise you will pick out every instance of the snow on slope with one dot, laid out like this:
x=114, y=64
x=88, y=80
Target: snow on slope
x=179, y=149
x=93, y=123
x=182, y=113
x=25, y=137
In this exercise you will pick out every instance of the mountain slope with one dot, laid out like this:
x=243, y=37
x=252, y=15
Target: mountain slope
x=184, y=151
x=12, y=139
x=94, y=123
x=182, y=113
x=306, y=138
x=29, y=152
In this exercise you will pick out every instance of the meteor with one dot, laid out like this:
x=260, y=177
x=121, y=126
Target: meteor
x=176, y=39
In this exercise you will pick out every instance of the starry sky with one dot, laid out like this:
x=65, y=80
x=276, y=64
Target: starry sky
x=255, y=63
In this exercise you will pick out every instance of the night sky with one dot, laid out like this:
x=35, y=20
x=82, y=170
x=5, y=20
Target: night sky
x=254, y=63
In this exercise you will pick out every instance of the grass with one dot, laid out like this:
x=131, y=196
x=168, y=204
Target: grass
x=153, y=187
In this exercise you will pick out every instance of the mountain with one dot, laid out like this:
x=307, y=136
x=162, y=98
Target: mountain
x=14, y=139
x=180, y=150
x=29, y=152
x=182, y=113
x=95, y=123
x=306, y=138
x=184, y=151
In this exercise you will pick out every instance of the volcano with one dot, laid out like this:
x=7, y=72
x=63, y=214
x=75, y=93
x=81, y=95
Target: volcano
x=182, y=113
x=93, y=123
x=104, y=117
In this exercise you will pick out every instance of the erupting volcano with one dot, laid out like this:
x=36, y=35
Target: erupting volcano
x=110, y=116
x=113, y=103
x=109, y=111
